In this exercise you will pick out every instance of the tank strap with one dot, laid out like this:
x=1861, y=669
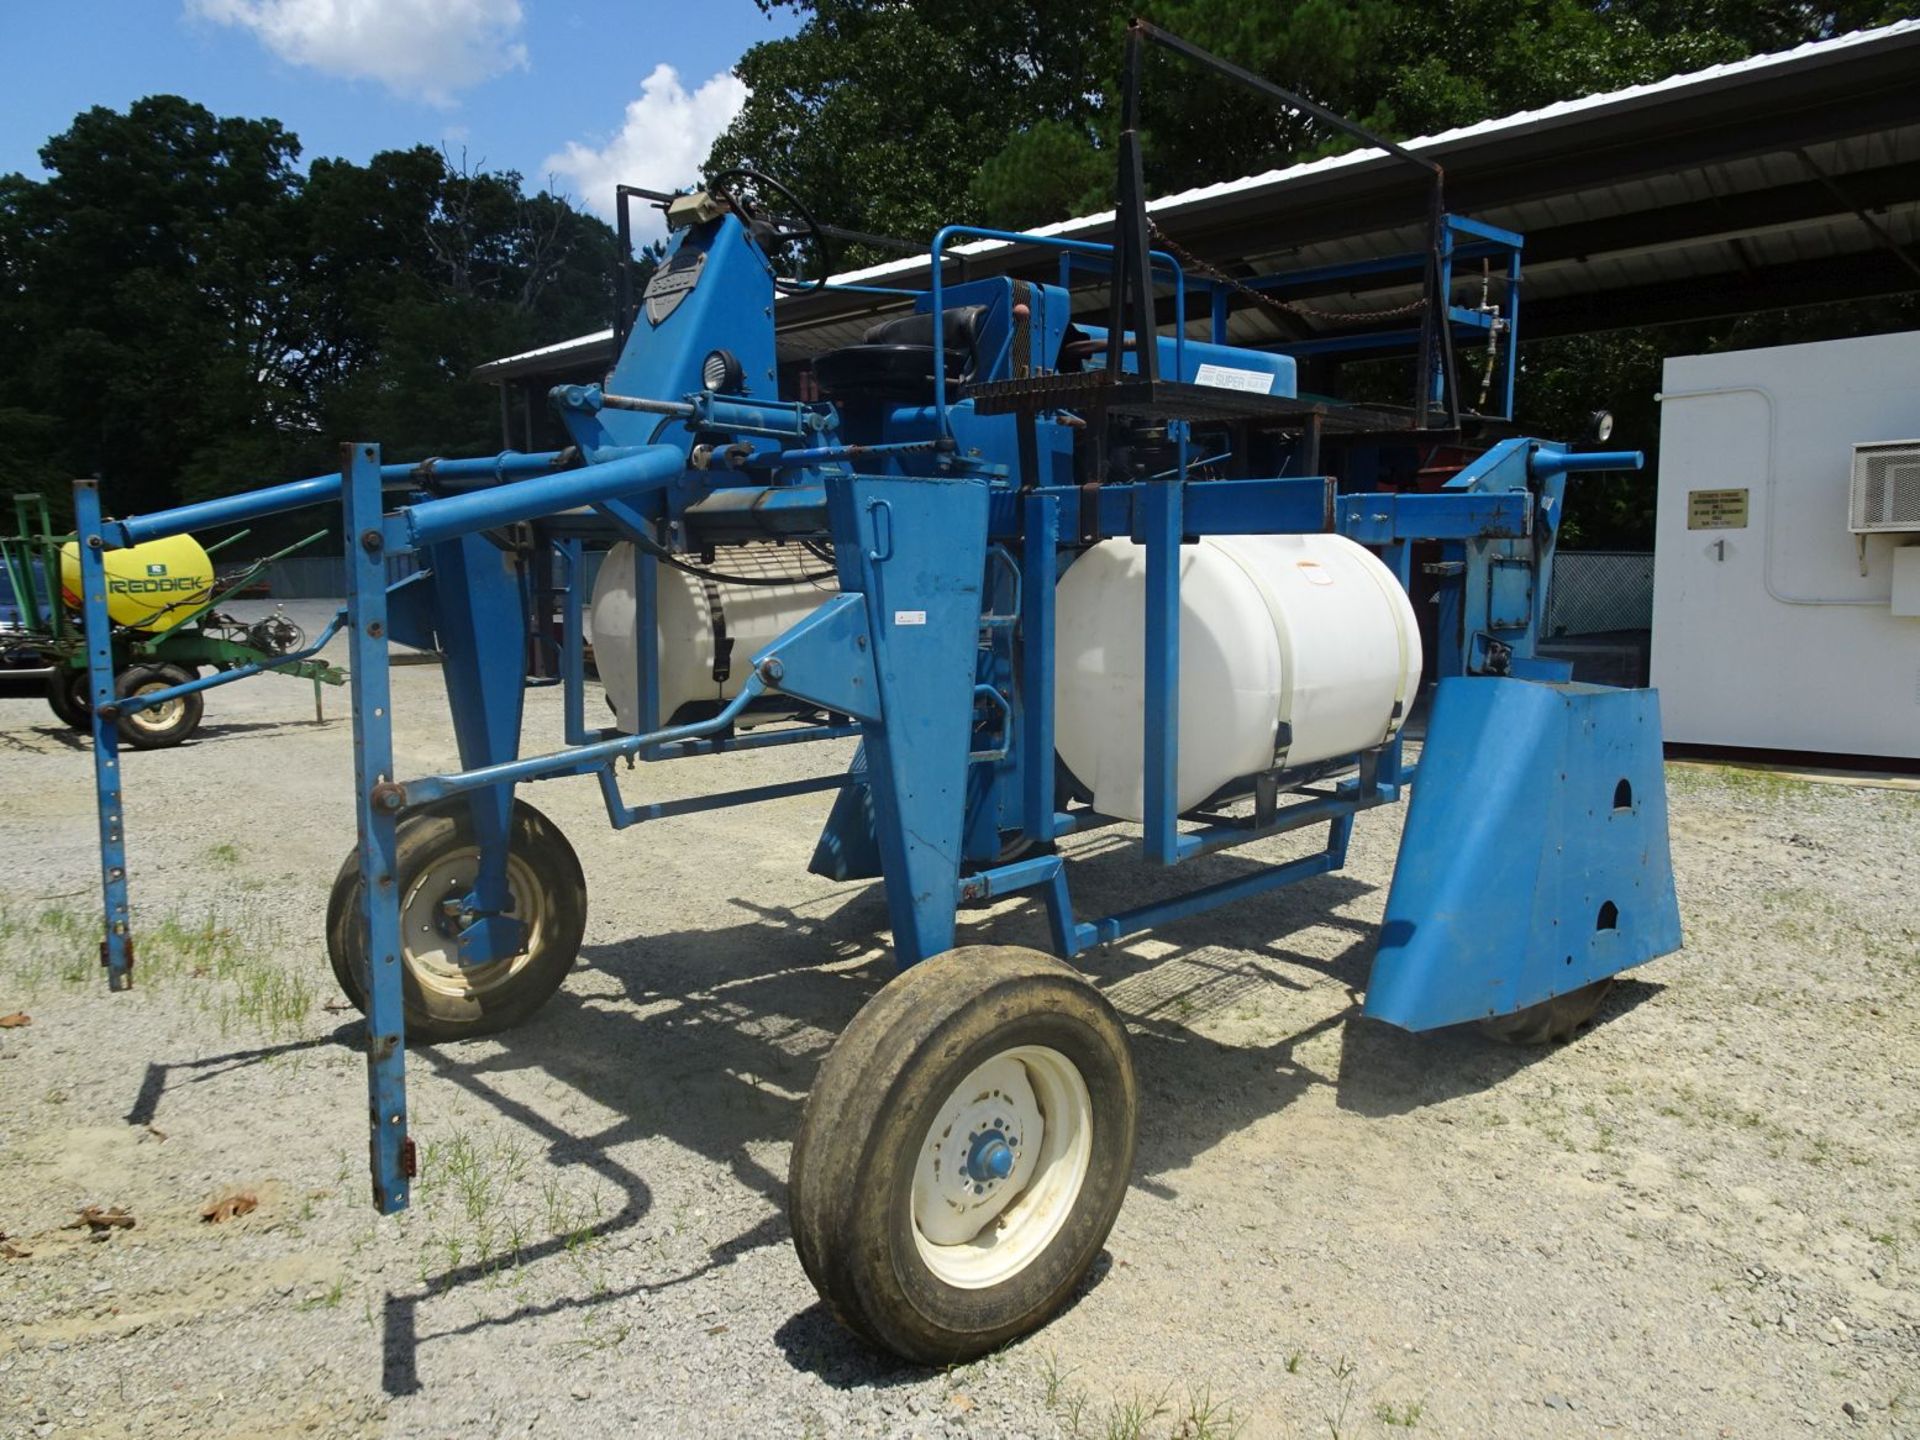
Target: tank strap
x=1399, y=715
x=722, y=642
x=1283, y=734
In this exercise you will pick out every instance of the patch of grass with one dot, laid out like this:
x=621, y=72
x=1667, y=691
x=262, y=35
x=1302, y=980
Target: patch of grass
x=1139, y=1416
x=1336, y=1422
x=1206, y=1419
x=1293, y=1363
x=1404, y=1417
x=328, y=1299
x=1736, y=780
x=467, y=1185
x=1053, y=1377
x=224, y=854
x=229, y=963
x=273, y=1001
x=1128, y=1419
x=598, y=1334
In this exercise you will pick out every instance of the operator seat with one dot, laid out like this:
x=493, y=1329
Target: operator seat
x=894, y=362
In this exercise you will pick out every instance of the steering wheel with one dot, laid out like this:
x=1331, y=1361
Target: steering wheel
x=770, y=234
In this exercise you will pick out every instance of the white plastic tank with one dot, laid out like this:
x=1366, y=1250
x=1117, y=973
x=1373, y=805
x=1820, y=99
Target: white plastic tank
x=689, y=639
x=1309, y=631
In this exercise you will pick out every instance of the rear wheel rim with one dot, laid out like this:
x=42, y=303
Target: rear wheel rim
x=1001, y=1167
x=157, y=719
x=430, y=934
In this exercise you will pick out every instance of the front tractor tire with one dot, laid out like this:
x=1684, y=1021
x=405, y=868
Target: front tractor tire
x=964, y=1153
x=437, y=857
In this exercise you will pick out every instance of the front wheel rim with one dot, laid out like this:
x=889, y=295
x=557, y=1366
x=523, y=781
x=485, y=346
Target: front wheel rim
x=1001, y=1167
x=430, y=935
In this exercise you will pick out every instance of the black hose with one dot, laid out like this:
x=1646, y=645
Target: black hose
x=667, y=557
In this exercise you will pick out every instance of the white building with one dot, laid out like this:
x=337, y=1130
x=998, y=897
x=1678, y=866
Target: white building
x=1786, y=611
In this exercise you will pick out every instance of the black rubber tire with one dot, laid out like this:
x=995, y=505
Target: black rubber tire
x=143, y=730
x=850, y=1185
x=1551, y=1022
x=427, y=836
x=67, y=698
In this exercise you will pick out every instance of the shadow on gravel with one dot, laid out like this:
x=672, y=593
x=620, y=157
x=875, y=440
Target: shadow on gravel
x=159, y=1076
x=814, y=1342
x=68, y=739
x=1384, y=1070
x=715, y=1036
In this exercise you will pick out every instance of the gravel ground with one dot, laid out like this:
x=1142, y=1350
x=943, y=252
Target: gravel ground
x=1699, y=1219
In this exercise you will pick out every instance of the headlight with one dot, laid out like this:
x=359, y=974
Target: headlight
x=720, y=372
x=1600, y=426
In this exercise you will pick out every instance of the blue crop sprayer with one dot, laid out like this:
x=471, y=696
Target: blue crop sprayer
x=1053, y=575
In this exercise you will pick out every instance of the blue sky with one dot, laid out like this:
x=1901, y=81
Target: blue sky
x=572, y=87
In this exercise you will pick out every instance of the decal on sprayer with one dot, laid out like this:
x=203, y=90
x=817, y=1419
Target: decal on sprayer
x=1230, y=377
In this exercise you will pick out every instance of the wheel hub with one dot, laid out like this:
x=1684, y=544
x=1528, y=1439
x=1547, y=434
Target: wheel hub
x=434, y=914
x=1001, y=1166
x=156, y=717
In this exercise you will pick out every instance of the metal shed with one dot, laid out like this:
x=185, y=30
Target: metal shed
x=1785, y=179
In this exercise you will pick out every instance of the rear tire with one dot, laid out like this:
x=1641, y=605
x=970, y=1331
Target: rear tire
x=436, y=856
x=1551, y=1022
x=67, y=697
x=964, y=1153
x=165, y=725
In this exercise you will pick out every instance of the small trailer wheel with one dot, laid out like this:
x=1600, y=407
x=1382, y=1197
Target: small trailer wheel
x=67, y=697
x=161, y=726
x=437, y=858
x=1551, y=1022
x=964, y=1152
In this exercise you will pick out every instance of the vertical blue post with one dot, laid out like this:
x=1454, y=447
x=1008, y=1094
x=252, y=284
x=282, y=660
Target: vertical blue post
x=390, y=1152
x=1513, y=331
x=1437, y=381
x=1160, y=516
x=1220, y=312
x=1037, y=561
x=116, y=948
x=479, y=608
x=573, y=659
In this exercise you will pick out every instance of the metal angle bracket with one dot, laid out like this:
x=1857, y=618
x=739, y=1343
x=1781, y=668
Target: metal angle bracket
x=827, y=658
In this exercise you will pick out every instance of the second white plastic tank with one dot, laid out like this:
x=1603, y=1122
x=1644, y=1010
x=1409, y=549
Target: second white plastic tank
x=1310, y=632
x=697, y=618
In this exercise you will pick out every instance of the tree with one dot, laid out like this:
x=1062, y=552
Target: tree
x=186, y=314
x=904, y=116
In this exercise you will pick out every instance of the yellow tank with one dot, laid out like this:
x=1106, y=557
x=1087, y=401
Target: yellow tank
x=152, y=587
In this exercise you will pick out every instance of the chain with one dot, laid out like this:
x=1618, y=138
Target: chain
x=1335, y=317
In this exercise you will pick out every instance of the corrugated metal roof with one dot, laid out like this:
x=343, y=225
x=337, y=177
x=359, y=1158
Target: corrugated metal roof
x=1555, y=139
x=1563, y=113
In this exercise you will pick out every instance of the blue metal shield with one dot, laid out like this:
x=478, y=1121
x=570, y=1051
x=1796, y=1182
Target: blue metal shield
x=1535, y=857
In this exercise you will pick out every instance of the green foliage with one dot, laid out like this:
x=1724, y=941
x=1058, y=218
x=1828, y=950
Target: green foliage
x=903, y=116
x=900, y=117
x=185, y=314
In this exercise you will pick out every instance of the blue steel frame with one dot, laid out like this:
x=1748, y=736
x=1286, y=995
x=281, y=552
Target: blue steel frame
x=1461, y=238
x=919, y=529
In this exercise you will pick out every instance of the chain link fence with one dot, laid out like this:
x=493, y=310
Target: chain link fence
x=1600, y=591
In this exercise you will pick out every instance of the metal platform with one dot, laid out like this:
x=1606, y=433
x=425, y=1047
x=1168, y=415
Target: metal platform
x=1098, y=391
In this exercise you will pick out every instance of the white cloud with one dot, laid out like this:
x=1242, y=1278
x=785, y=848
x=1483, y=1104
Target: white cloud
x=666, y=136
x=428, y=49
